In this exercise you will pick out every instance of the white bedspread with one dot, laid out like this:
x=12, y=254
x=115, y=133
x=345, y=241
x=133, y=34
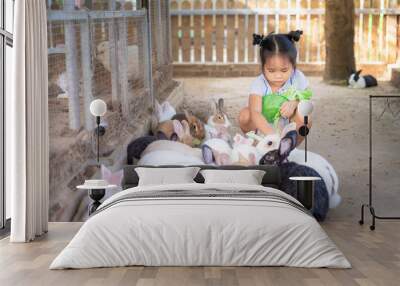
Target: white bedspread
x=183, y=231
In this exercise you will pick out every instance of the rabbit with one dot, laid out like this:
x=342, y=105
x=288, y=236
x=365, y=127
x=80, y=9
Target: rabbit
x=164, y=111
x=243, y=152
x=219, y=117
x=167, y=152
x=217, y=151
x=138, y=145
x=195, y=124
x=361, y=81
x=218, y=124
x=325, y=169
x=171, y=157
x=175, y=146
x=182, y=133
x=288, y=169
x=220, y=132
x=165, y=127
x=110, y=177
x=271, y=141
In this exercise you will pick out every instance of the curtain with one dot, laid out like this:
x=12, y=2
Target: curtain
x=27, y=143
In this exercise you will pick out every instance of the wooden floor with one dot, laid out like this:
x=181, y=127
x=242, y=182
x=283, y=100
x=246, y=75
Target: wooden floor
x=375, y=257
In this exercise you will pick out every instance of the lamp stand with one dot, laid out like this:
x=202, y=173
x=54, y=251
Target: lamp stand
x=303, y=131
x=99, y=131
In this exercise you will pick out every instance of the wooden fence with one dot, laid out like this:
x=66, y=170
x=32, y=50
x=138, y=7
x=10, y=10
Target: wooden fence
x=220, y=31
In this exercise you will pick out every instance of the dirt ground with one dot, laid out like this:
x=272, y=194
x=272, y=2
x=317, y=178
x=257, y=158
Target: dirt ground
x=339, y=133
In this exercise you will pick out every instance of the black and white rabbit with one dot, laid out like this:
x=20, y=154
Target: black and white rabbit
x=291, y=169
x=357, y=80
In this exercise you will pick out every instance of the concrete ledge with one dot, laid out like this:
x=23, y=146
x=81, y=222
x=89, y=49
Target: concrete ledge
x=249, y=70
x=395, y=80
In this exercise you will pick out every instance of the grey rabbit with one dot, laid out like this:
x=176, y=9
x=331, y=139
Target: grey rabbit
x=291, y=169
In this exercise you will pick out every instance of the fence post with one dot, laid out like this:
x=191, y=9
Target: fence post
x=123, y=63
x=398, y=40
x=147, y=48
x=72, y=70
x=87, y=73
x=112, y=44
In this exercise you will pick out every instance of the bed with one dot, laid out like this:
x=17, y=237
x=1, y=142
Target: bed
x=197, y=224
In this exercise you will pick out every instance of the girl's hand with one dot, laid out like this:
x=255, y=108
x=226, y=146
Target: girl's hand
x=288, y=108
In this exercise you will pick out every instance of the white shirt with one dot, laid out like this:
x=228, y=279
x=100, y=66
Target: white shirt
x=261, y=86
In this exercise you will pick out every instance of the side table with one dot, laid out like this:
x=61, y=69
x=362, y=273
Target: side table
x=305, y=190
x=96, y=193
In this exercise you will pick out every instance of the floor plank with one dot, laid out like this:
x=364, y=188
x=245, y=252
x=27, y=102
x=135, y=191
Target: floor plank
x=375, y=257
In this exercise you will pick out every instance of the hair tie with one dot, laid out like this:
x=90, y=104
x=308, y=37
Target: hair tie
x=257, y=39
x=294, y=36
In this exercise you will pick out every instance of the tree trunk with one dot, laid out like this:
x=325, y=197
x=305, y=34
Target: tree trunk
x=339, y=35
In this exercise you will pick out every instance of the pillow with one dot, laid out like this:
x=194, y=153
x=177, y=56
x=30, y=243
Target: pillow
x=248, y=177
x=166, y=176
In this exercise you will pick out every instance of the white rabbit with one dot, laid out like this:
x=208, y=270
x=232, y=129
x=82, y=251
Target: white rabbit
x=216, y=150
x=220, y=132
x=243, y=152
x=167, y=145
x=164, y=111
x=170, y=157
x=271, y=141
x=324, y=168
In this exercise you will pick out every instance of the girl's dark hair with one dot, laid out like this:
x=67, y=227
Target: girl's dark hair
x=278, y=44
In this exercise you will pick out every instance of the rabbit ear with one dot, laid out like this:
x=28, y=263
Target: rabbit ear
x=174, y=137
x=187, y=115
x=287, y=144
x=287, y=129
x=285, y=148
x=214, y=106
x=178, y=128
x=186, y=127
x=165, y=106
x=105, y=172
x=358, y=72
x=208, y=156
x=157, y=105
x=221, y=105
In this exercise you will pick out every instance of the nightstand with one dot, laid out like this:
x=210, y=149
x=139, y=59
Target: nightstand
x=96, y=191
x=305, y=190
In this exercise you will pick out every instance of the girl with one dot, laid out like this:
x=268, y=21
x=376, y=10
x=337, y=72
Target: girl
x=276, y=92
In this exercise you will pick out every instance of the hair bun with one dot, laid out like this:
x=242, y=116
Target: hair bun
x=295, y=35
x=257, y=39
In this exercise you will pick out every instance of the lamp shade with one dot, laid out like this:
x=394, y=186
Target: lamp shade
x=98, y=107
x=305, y=107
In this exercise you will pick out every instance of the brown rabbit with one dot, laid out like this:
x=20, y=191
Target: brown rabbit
x=182, y=133
x=195, y=124
x=165, y=127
